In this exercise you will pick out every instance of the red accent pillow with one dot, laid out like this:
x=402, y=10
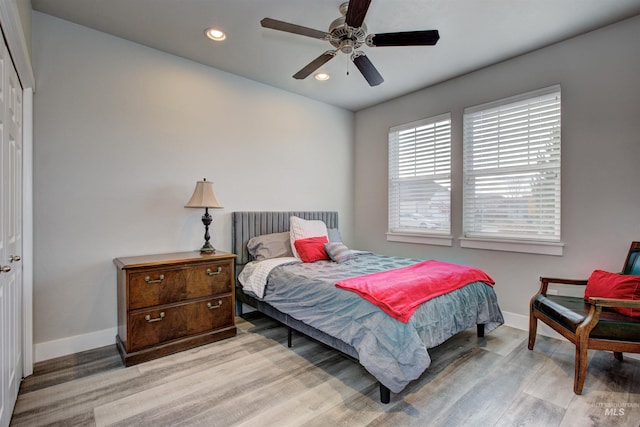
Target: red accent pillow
x=312, y=248
x=611, y=285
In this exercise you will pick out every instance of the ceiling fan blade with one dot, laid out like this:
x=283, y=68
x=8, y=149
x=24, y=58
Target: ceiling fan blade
x=314, y=65
x=356, y=12
x=368, y=70
x=274, y=24
x=406, y=38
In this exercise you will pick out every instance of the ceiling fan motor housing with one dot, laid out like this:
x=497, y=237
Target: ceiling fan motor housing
x=346, y=38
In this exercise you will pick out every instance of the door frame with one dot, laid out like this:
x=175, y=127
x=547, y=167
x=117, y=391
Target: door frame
x=14, y=34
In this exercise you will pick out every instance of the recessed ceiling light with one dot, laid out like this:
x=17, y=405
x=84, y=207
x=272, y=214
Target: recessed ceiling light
x=322, y=76
x=215, y=34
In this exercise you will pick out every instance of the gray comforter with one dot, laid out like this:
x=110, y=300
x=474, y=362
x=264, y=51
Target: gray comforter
x=393, y=352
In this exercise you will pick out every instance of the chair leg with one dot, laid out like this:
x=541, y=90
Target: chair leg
x=582, y=359
x=618, y=355
x=533, y=328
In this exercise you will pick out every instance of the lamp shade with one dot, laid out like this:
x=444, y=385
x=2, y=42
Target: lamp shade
x=203, y=196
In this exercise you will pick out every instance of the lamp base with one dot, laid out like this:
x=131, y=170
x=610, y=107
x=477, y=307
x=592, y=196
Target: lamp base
x=207, y=248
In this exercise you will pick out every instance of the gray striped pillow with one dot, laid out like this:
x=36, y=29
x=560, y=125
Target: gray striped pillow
x=337, y=251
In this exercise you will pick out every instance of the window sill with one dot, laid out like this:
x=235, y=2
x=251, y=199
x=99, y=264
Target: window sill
x=530, y=247
x=420, y=238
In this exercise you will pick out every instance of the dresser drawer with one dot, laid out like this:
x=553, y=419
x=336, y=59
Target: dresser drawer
x=151, y=327
x=165, y=286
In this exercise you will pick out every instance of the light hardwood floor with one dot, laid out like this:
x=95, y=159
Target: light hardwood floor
x=253, y=379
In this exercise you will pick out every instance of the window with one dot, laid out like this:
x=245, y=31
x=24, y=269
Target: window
x=511, y=188
x=420, y=179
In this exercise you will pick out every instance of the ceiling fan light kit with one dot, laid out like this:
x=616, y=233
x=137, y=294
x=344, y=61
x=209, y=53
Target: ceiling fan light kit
x=347, y=34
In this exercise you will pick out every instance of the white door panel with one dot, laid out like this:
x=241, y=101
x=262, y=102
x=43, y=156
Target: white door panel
x=10, y=236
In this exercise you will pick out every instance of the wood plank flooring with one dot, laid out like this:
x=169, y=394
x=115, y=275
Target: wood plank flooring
x=253, y=379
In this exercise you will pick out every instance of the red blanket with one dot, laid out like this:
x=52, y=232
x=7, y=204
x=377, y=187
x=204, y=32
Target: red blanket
x=400, y=291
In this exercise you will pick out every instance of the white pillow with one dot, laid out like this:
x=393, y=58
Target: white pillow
x=303, y=228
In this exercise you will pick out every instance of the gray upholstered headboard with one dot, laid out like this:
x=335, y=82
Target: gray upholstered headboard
x=245, y=225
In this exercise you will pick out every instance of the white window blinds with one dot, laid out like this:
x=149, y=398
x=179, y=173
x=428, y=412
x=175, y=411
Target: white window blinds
x=420, y=176
x=511, y=167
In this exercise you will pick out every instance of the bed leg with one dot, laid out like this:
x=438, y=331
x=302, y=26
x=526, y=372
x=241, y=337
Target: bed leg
x=289, y=334
x=481, y=330
x=385, y=394
x=238, y=308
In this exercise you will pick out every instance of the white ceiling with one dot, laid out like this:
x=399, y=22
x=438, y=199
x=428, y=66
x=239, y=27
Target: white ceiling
x=473, y=34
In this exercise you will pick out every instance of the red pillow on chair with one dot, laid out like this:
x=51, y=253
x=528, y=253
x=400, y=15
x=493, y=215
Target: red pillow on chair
x=611, y=285
x=311, y=249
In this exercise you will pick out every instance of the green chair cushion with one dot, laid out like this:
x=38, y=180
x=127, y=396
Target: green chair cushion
x=571, y=311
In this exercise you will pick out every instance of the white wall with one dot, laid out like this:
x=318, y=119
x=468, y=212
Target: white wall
x=122, y=133
x=599, y=75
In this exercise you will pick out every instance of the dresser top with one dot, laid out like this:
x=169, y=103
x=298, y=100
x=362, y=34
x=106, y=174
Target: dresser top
x=143, y=261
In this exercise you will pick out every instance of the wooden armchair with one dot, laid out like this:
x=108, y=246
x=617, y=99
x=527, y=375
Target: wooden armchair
x=591, y=324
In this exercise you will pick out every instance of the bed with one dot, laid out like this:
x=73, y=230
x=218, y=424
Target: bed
x=304, y=297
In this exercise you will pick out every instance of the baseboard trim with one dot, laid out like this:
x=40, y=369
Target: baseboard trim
x=65, y=346
x=521, y=322
x=75, y=344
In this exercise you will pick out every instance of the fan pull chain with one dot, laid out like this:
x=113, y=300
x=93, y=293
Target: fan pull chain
x=348, y=65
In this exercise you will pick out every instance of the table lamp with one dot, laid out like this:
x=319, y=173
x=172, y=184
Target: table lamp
x=205, y=197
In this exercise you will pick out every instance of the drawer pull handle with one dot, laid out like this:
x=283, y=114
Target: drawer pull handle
x=211, y=306
x=213, y=273
x=157, y=319
x=149, y=281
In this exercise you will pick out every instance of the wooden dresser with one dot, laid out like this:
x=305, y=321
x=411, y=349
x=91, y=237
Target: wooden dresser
x=171, y=302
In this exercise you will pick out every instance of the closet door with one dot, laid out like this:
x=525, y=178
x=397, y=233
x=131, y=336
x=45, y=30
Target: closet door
x=10, y=236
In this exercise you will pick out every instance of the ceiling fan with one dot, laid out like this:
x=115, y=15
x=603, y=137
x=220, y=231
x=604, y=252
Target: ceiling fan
x=347, y=34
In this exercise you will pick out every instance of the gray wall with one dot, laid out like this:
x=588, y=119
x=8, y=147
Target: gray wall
x=600, y=78
x=24, y=11
x=123, y=132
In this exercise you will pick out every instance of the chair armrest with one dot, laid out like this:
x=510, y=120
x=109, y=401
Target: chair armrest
x=613, y=302
x=544, y=283
x=563, y=281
